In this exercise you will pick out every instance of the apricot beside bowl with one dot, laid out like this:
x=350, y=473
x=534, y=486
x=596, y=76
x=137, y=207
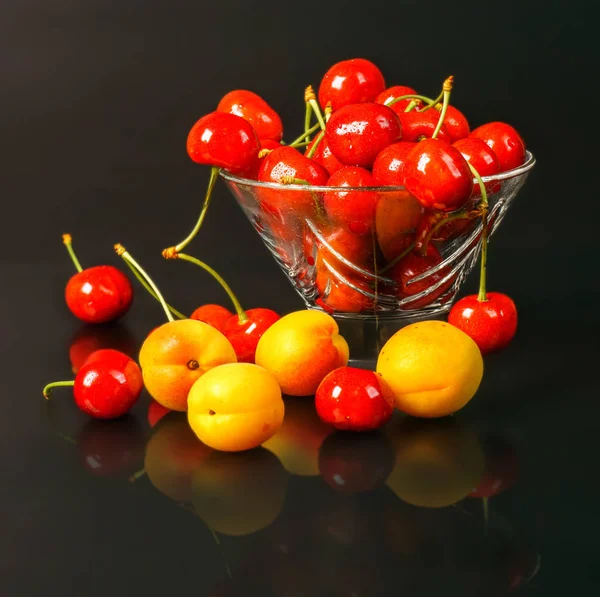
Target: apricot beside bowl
x=355, y=272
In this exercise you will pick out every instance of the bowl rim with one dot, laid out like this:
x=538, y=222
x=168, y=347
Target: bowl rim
x=523, y=168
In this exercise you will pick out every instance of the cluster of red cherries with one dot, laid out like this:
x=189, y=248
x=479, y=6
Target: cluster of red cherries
x=370, y=135
x=366, y=135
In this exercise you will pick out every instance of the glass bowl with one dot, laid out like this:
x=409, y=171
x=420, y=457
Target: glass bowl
x=358, y=274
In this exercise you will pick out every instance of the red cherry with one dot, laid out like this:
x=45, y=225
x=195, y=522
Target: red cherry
x=354, y=210
x=352, y=81
x=90, y=338
x=416, y=125
x=438, y=176
x=245, y=336
x=255, y=110
x=287, y=162
x=353, y=464
x=358, y=250
x=214, y=315
x=112, y=448
x=392, y=93
x=491, y=323
x=456, y=124
x=108, y=385
x=264, y=144
x=99, y=294
x=156, y=411
x=501, y=466
x=357, y=133
x=388, y=169
x=483, y=159
x=224, y=141
x=354, y=399
x=323, y=156
x=445, y=232
x=413, y=265
x=338, y=297
x=505, y=142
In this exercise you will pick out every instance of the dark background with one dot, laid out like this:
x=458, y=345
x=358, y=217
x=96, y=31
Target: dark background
x=96, y=101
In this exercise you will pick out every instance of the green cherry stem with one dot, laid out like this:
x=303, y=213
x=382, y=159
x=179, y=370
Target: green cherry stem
x=147, y=286
x=482, y=296
x=395, y=260
x=316, y=144
x=238, y=307
x=301, y=138
x=411, y=96
x=311, y=98
x=67, y=240
x=307, y=119
x=47, y=391
x=214, y=173
x=124, y=254
x=137, y=475
x=412, y=105
x=446, y=90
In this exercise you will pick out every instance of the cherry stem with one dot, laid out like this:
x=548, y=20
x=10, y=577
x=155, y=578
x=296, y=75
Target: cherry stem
x=395, y=260
x=315, y=196
x=311, y=99
x=446, y=90
x=214, y=173
x=434, y=102
x=482, y=296
x=316, y=144
x=137, y=475
x=412, y=105
x=145, y=284
x=307, y=119
x=47, y=391
x=238, y=307
x=411, y=96
x=124, y=254
x=301, y=138
x=67, y=240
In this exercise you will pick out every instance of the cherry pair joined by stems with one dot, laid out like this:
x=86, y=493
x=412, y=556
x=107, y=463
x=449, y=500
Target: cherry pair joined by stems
x=106, y=386
x=97, y=294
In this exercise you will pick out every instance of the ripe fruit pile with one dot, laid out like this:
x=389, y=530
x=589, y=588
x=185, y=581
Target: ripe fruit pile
x=228, y=371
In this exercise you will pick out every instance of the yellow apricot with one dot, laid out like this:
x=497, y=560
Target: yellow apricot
x=433, y=368
x=301, y=349
x=235, y=407
x=178, y=353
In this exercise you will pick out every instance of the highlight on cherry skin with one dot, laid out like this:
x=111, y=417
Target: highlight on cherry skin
x=107, y=385
x=96, y=294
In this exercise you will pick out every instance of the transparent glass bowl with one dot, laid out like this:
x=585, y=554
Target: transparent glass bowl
x=352, y=276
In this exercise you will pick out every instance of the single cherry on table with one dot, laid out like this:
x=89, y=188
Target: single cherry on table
x=354, y=399
x=106, y=387
x=97, y=294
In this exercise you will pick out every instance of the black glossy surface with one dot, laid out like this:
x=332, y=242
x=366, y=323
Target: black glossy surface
x=97, y=98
